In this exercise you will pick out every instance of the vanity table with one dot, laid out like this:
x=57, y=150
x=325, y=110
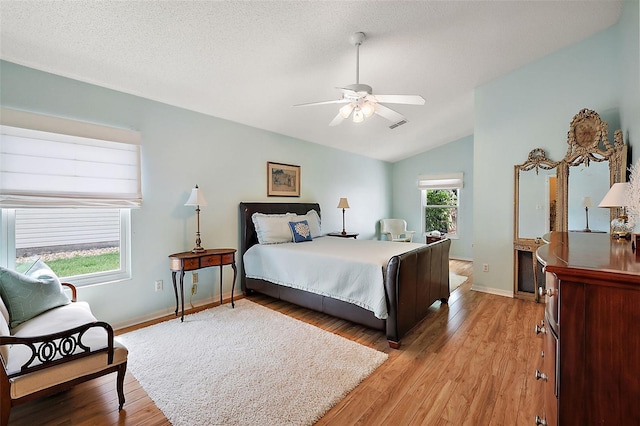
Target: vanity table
x=590, y=370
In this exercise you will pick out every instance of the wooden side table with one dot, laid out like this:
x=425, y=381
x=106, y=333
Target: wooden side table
x=347, y=235
x=188, y=261
x=431, y=239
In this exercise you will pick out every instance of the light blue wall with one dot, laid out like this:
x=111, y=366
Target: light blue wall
x=629, y=65
x=533, y=107
x=181, y=148
x=453, y=157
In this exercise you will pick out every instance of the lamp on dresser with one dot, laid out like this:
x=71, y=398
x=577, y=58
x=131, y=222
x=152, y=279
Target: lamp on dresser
x=617, y=198
x=197, y=199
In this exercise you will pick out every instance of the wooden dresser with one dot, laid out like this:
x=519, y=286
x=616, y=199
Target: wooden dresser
x=590, y=366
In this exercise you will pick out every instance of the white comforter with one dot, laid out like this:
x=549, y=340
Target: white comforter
x=341, y=268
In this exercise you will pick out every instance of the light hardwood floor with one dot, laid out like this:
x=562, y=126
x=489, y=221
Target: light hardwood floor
x=470, y=362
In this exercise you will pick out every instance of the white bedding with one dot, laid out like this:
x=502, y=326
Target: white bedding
x=341, y=268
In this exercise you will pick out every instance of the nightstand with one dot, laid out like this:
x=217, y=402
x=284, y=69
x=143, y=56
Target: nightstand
x=345, y=235
x=431, y=239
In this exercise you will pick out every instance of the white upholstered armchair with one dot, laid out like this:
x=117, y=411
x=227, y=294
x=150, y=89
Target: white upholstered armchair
x=396, y=230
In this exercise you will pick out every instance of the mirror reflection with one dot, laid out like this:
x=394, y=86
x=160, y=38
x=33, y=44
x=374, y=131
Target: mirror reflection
x=537, y=203
x=586, y=188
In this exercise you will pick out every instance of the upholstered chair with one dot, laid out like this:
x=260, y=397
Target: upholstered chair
x=396, y=230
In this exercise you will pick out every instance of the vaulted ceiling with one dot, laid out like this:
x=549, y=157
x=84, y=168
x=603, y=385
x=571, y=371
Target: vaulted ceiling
x=251, y=61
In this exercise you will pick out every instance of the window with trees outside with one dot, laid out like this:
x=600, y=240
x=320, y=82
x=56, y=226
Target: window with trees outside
x=440, y=203
x=441, y=211
x=66, y=193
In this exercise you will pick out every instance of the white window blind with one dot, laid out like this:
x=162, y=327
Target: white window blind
x=443, y=181
x=54, y=162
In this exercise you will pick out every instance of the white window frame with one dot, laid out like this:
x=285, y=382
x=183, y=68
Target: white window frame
x=8, y=250
x=437, y=182
x=423, y=194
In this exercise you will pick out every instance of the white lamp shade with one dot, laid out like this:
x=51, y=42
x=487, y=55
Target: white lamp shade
x=587, y=202
x=368, y=109
x=343, y=204
x=358, y=115
x=196, y=198
x=616, y=197
x=345, y=111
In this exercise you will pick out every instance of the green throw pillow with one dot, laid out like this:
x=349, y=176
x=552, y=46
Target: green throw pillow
x=28, y=296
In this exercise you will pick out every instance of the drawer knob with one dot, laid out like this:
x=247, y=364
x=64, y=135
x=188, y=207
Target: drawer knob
x=542, y=292
x=540, y=328
x=541, y=421
x=541, y=376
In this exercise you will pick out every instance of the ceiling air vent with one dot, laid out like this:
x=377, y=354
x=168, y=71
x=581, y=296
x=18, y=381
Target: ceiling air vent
x=399, y=123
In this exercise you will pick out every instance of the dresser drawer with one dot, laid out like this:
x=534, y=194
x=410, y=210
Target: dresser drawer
x=190, y=264
x=551, y=296
x=549, y=368
x=212, y=260
x=216, y=259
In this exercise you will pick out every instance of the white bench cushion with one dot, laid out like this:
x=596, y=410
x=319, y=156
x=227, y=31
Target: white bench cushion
x=53, y=321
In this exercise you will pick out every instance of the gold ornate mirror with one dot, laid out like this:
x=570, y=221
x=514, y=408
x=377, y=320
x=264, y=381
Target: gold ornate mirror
x=535, y=204
x=563, y=195
x=591, y=165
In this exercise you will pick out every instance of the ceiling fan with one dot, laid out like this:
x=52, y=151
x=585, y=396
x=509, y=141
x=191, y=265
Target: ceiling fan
x=361, y=103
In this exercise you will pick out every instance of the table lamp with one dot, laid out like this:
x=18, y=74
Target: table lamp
x=197, y=199
x=586, y=203
x=343, y=204
x=617, y=197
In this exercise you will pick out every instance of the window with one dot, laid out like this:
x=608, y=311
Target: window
x=67, y=197
x=440, y=196
x=441, y=211
x=83, y=246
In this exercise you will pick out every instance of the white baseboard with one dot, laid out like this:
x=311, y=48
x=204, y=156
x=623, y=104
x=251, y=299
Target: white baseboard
x=461, y=258
x=167, y=311
x=491, y=290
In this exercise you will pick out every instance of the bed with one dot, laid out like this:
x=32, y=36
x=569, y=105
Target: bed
x=412, y=280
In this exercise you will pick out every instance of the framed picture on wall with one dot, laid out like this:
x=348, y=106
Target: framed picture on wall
x=283, y=180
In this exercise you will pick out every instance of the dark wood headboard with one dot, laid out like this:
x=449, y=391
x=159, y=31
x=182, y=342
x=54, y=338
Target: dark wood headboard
x=248, y=235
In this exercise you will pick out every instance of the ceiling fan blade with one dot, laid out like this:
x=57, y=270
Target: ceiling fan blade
x=388, y=113
x=346, y=89
x=401, y=99
x=338, y=101
x=337, y=120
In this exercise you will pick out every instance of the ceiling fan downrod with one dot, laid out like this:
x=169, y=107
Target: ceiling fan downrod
x=357, y=40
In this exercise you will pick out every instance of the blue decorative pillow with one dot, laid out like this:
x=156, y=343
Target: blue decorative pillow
x=29, y=295
x=300, y=231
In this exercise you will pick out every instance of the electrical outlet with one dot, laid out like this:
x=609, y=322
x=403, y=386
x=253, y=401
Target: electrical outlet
x=158, y=285
x=194, y=278
x=485, y=267
x=194, y=288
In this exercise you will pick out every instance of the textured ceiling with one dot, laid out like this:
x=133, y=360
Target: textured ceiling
x=250, y=61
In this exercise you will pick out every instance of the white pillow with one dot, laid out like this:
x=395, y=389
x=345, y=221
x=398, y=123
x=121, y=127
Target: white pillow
x=313, y=219
x=273, y=228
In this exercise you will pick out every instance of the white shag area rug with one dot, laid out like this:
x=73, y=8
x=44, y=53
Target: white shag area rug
x=455, y=281
x=245, y=366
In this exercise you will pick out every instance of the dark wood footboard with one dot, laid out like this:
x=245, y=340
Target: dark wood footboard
x=413, y=280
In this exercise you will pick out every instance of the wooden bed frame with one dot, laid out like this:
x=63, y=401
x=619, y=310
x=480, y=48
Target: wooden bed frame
x=413, y=280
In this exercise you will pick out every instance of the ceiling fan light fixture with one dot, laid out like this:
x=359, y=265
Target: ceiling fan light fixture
x=345, y=111
x=368, y=109
x=359, y=101
x=358, y=115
